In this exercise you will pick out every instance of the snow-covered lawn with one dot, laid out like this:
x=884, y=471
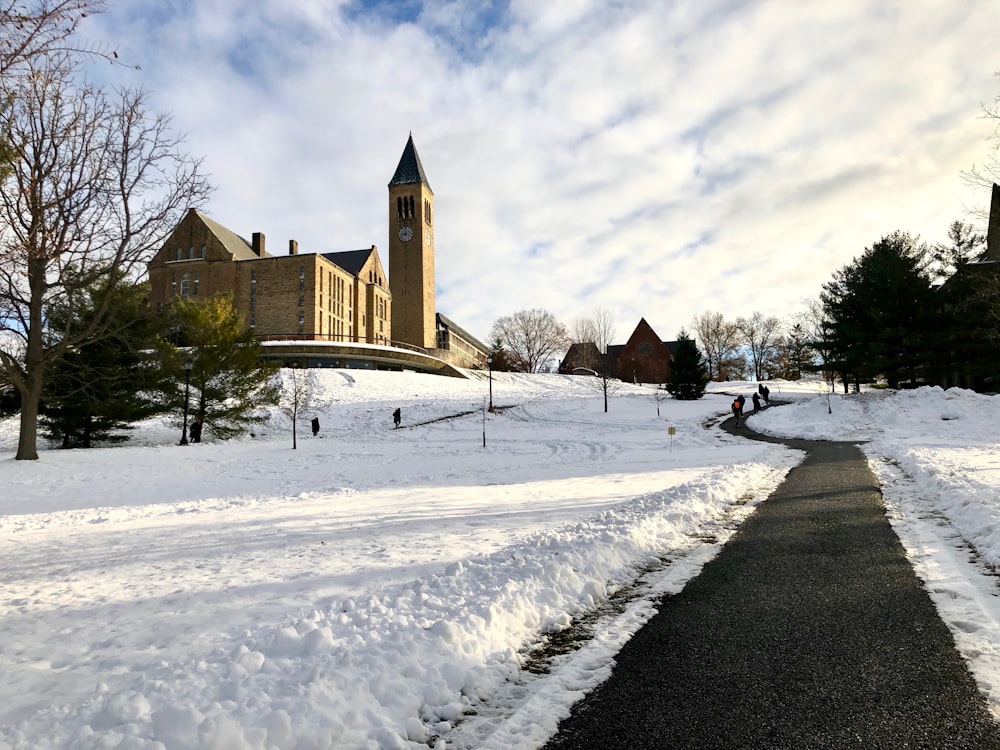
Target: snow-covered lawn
x=381, y=588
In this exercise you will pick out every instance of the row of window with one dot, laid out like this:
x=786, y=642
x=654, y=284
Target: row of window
x=406, y=208
x=179, y=253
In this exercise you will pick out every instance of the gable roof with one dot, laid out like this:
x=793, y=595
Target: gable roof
x=351, y=261
x=409, y=170
x=239, y=247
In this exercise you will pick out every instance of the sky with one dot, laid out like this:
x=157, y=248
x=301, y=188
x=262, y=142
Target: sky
x=655, y=159
x=394, y=588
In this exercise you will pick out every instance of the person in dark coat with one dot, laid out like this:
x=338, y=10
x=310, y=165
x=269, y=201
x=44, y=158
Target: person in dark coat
x=315, y=426
x=767, y=395
x=196, y=431
x=737, y=410
x=397, y=418
x=742, y=399
x=756, y=402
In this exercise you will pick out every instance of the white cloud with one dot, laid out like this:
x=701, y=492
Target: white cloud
x=659, y=161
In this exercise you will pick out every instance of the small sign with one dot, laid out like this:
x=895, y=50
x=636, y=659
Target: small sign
x=671, y=430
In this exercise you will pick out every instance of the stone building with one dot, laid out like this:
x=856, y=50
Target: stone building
x=335, y=298
x=325, y=297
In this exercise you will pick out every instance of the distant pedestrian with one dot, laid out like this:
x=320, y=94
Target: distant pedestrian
x=756, y=402
x=767, y=395
x=742, y=399
x=196, y=431
x=315, y=426
x=396, y=418
x=737, y=410
x=760, y=388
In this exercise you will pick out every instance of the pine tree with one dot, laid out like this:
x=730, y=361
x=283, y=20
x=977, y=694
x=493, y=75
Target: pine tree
x=688, y=372
x=97, y=390
x=229, y=380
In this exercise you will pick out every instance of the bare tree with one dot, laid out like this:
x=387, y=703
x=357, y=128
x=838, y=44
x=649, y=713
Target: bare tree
x=760, y=335
x=30, y=31
x=95, y=185
x=988, y=173
x=603, y=322
x=719, y=341
x=298, y=394
x=531, y=338
x=582, y=331
x=813, y=321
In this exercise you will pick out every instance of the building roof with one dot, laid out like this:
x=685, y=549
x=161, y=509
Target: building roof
x=351, y=261
x=239, y=247
x=409, y=170
x=452, y=326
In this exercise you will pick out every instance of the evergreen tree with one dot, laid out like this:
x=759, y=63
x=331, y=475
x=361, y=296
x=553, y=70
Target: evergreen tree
x=95, y=391
x=688, y=372
x=881, y=314
x=229, y=380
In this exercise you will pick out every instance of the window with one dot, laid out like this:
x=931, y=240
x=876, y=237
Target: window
x=302, y=277
x=186, y=285
x=302, y=300
x=196, y=282
x=253, y=320
x=427, y=211
x=204, y=251
x=173, y=285
x=191, y=252
x=302, y=321
x=179, y=255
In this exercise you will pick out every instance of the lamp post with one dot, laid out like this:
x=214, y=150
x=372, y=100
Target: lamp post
x=188, y=364
x=489, y=363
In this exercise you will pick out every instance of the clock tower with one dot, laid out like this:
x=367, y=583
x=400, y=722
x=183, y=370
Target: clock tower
x=411, y=252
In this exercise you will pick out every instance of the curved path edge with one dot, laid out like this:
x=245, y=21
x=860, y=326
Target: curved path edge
x=810, y=629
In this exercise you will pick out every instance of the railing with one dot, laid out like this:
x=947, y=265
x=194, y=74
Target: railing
x=340, y=338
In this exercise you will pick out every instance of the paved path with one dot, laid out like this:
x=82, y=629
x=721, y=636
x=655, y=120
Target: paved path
x=809, y=630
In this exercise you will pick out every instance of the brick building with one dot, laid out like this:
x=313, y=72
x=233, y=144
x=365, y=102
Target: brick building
x=644, y=358
x=341, y=297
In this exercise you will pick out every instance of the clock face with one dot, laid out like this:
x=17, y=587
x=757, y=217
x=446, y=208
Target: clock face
x=406, y=234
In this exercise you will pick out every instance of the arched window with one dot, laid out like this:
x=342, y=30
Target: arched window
x=399, y=208
x=427, y=211
x=412, y=210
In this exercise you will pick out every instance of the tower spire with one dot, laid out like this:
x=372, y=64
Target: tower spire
x=409, y=170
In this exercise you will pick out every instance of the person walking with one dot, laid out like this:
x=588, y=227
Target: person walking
x=756, y=403
x=397, y=418
x=767, y=395
x=196, y=431
x=315, y=426
x=737, y=410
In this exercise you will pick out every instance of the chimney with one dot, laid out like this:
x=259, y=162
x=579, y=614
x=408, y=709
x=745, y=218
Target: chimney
x=293, y=247
x=993, y=228
x=258, y=244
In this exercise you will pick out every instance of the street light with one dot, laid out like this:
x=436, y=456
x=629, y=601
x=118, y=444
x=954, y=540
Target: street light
x=489, y=363
x=188, y=364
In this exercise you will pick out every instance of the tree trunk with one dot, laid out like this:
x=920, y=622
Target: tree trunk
x=27, y=441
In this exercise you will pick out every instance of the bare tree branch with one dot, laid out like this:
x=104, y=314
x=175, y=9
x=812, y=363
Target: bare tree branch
x=96, y=185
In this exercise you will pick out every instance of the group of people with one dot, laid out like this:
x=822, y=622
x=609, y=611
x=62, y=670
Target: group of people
x=397, y=417
x=762, y=392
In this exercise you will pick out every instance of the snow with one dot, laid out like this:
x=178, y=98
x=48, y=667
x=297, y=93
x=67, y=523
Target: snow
x=381, y=588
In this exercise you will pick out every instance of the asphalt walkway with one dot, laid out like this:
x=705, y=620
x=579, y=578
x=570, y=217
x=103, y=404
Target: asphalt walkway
x=809, y=630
